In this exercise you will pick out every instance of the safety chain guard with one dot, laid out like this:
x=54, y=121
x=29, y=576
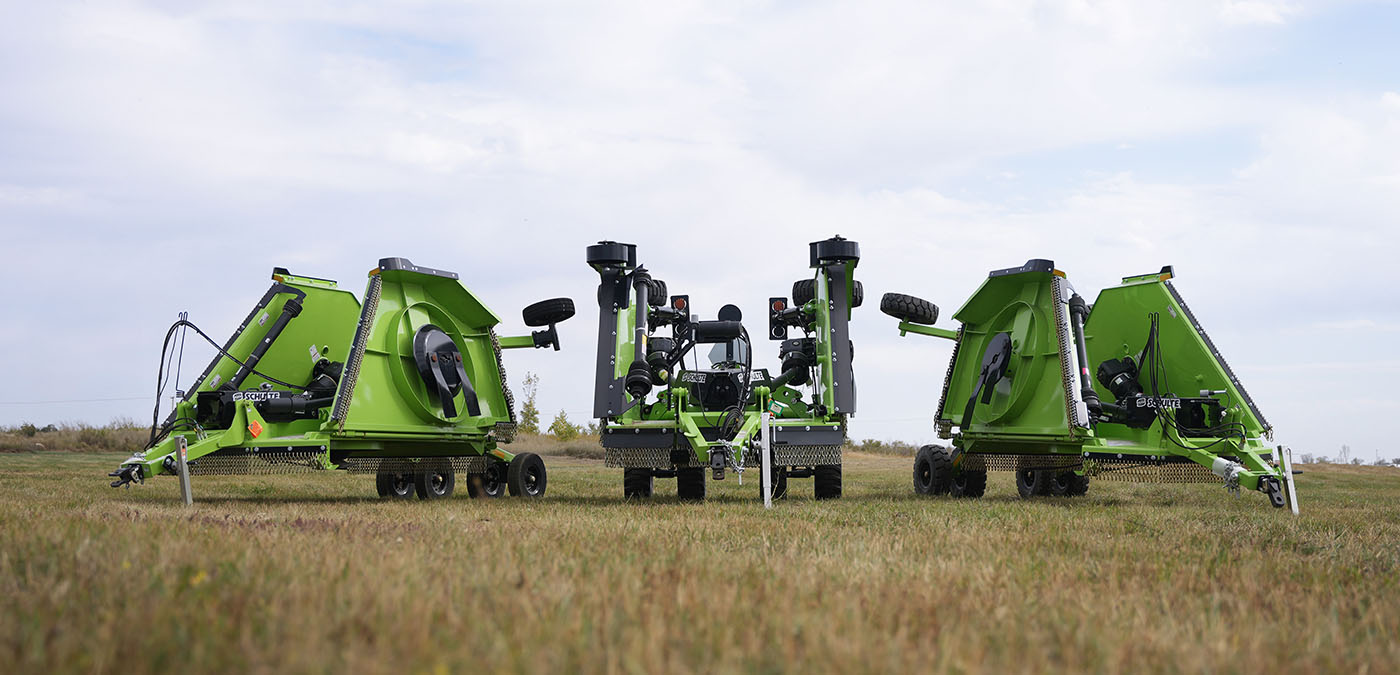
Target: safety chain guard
x=1067, y=369
x=346, y=391
x=504, y=431
x=945, y=426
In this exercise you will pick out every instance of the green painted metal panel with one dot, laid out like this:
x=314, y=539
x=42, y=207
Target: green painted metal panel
x=1030, y=400
x=1118, y=327
x=388, y=408
x=389, y=395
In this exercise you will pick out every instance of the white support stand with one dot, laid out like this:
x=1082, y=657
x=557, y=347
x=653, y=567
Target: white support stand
x=766, y=450
x=181, y=461
x=1285, y=459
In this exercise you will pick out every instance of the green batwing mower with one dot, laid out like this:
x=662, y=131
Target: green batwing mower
x=663, y=418
x=409, y=386
x=1131, y=388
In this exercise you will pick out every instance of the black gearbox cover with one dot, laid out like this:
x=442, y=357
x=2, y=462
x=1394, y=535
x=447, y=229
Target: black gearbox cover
x=714, y=390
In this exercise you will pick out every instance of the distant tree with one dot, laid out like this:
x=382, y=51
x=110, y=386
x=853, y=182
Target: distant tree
x=1357, y=461
x=529, y=411
x=1307, y=458
x=562, y=429
x=1345, y=455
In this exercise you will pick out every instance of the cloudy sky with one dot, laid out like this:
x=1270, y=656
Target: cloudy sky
x=163, y=157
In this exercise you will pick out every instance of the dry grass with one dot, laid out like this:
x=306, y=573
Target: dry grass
x=311, y=574
x=120, y=436
x=582, y=447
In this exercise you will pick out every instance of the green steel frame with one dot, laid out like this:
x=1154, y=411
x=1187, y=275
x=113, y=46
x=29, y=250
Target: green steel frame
x=1045, y=412
x=382, y=413
x=670, y=430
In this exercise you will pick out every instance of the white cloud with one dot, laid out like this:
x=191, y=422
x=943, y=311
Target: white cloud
x=211, y=142
x=1256, y=11
x=21, y=195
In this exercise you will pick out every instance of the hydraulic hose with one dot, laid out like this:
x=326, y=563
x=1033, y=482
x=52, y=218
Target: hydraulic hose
x=290, y=311
x=638, y=381
x=1078, y=312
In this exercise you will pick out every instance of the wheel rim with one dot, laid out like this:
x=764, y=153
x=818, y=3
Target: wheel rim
x=925, y=475
x=402, y=484
x=437, y=483
x=1027, y=478
x=959, y=481
x=492, y=489
x=532, y=481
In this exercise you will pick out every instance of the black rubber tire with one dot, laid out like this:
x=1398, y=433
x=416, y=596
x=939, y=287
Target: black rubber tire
x=1078, y=485
x=656, y=296
x=778, y=484
x=637, y=483
x=526, y=476
x=478, y=487
x=1058, y=483
x=436, y=482
x=933, y=470
x=826, y=482
x=690, y=484
x=909, y=308
x=1033, y=482
x=661, y=344
x=546, y=312
x=394, y=485
x=803, y=291
x=968, y=484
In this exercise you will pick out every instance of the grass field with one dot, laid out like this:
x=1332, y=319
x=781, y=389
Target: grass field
x=312, y=574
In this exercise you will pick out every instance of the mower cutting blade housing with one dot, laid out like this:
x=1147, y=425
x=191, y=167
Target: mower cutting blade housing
x=1131, y=388
x=409, y=386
